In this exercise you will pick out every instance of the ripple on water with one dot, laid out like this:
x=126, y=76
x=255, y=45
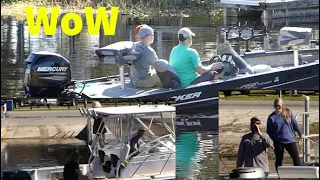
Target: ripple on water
x=197, y=155
x=25, y=154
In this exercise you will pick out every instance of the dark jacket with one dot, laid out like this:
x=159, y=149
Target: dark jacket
x=253, y=151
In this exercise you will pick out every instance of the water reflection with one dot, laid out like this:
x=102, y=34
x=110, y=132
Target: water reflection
x=29, y=153
x=197, y=155
x=17, y=44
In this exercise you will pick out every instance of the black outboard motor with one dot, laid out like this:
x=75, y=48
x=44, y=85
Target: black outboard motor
x=46, y=75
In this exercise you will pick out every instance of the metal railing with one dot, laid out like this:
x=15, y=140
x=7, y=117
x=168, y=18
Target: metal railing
x=306, y=131
x=316, y=148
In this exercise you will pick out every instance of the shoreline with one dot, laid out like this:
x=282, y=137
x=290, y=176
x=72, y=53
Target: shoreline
x=143, y=11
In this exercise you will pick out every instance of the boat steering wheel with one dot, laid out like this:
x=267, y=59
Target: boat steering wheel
x=215, y=59
x=229, y=68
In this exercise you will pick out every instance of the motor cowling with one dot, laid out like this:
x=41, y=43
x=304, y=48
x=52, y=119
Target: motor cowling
x=46, y=74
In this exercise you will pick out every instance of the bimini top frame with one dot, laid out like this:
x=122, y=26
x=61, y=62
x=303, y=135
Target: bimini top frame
x=129, y=112
x=113, y=118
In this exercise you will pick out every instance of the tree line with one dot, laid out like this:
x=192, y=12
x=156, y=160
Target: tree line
x=159, y=4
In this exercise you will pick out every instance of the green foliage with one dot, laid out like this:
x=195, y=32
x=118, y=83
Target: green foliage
x=135, y=8
x=159, y=4
x=314, y=128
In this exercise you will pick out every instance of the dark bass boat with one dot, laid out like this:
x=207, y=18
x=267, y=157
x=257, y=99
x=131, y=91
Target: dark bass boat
x=48, y=75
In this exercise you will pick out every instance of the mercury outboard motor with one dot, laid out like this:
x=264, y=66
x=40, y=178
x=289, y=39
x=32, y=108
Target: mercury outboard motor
x=46, y=74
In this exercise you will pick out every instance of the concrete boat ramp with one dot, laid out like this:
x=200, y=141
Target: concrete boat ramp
x=42, y=124
x=52, y=124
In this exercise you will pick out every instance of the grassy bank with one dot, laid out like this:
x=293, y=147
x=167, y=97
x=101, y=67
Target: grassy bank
x=314, y=128
x=141, y=9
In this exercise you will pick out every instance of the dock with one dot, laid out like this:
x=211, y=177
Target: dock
x=268, y=4
x=269, y=9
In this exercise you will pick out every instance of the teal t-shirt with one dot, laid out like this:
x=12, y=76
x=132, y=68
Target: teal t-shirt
x=184, y=60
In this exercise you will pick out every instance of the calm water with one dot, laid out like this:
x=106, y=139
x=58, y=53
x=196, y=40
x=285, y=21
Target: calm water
x=197, y=155
x=29, y=153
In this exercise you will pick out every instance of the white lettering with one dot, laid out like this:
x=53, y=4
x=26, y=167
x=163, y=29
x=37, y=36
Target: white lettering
x=52, y=69
x=181, y=97
x=189, y=123
x=187, y=96
x=196, y=95
x=250, y=86
x=264, y=83
x=179, y=123
x=197, y=123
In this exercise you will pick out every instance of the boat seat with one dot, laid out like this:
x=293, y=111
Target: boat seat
x=167, y=75
x=126, y=59
x=260, y=68
x=298, y=172
x=120, y=53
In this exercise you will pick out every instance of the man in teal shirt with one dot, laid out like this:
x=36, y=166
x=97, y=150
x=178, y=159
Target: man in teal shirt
x=186, y=61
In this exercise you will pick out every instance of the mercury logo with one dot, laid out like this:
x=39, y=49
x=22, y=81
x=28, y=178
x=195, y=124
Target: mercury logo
x=52, y=69
x=187, y=96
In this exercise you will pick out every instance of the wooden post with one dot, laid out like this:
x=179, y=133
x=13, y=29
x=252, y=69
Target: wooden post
x=225, y=16
x=85, y=102
x=266, y=37
x=287, y=16
x=159, y=43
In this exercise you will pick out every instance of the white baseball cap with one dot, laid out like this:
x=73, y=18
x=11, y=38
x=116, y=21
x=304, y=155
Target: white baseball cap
x=144, y=31
x=186, y=32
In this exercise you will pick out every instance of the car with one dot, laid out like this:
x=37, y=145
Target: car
x=69, y=102
x=42, y=102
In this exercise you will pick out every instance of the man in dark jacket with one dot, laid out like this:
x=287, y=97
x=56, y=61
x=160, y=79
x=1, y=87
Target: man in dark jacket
x=253, y=148
x=134, y=142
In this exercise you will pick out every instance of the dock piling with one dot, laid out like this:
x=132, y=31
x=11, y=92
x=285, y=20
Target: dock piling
x=306, y=143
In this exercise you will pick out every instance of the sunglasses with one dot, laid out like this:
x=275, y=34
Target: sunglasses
x=257, y=123
x=277, y=106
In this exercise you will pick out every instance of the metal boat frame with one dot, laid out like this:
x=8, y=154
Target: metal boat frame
x=156, y=158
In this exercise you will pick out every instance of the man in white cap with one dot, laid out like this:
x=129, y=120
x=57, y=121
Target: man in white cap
x=142, y=75
x=186, y=61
